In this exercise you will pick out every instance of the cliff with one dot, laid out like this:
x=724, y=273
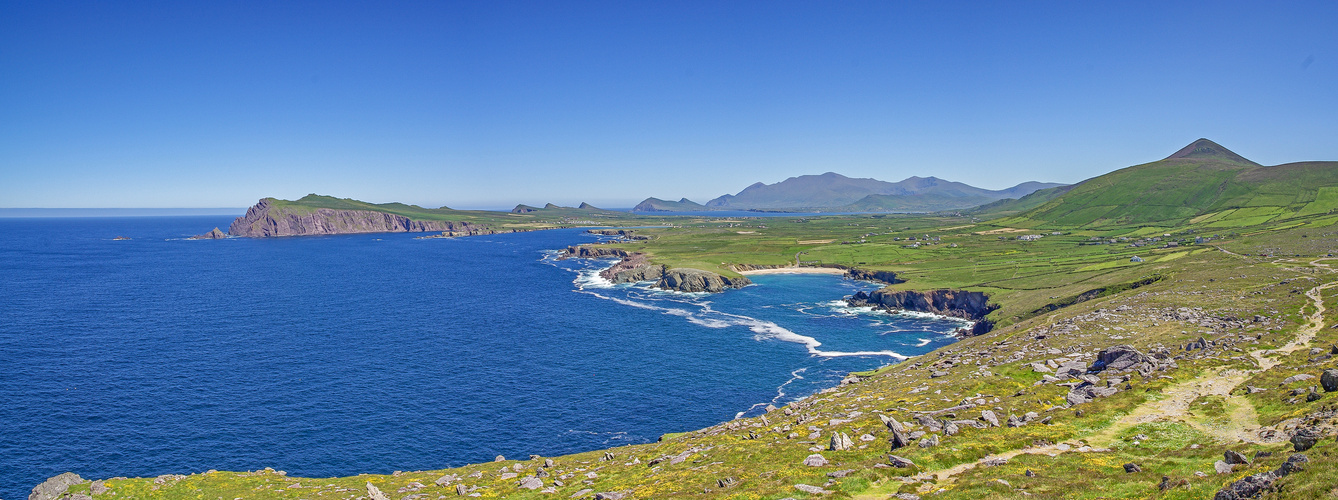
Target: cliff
x=888, y=277
x=267, y=220
x=973, y=306
x=635, y=267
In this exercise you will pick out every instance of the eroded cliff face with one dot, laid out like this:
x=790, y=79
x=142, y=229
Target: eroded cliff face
x=263, y=220
x=888, y=277
x=634, y=268
x=973, y=306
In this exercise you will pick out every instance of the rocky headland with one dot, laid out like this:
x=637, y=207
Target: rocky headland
x=635, y=267
x=962, y=304
x=265, y=220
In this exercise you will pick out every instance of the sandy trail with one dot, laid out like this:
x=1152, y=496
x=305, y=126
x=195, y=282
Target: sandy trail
x=1174, y=405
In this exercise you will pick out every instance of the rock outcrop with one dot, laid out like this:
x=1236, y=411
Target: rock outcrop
x=972, y=306
x=55, y=487
x=635, y=268
x=888, y=277
x=211, y=235
x=266, y=220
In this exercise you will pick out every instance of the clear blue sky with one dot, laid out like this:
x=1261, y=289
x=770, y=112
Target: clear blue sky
x=489, y=104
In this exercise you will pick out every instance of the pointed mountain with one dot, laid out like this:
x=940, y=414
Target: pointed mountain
x=658, y=205
x=587, y=206
x=1203, y=183
x=551, y=206
x=523, y=209
x=1204, y=149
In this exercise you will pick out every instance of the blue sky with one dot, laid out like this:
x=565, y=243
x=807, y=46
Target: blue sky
x=489, y=104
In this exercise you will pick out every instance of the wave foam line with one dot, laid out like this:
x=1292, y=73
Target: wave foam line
x=780, y=392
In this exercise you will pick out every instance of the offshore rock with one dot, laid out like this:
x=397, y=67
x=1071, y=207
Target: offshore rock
x=264, y=220
x=636, y=267
x=211, y=235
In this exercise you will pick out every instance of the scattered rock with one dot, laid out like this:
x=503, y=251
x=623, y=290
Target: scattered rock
x=461, y=490
x=1223, y=467
x=841, y=442
x=55, y=487
x=989, y=417
x=1329, y=379
x=582, y=493
x=726, y=482
x=530, y=483
x=610, y=495
x=1255, y=485
x=1131, y=468
x=993, y=462
x=375, y=493
x=1233, y=457
x=899, y=462
x=812, y=490
x=1297, y=378
x=1304, y=439
x=815, y=460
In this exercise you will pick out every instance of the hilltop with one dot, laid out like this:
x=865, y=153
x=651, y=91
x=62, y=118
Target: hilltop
x=833, y=192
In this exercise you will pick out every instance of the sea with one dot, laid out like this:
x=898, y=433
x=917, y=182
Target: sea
x=338, y=355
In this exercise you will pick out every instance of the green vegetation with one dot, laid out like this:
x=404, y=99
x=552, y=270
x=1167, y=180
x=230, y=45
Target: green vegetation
x=1234, y=254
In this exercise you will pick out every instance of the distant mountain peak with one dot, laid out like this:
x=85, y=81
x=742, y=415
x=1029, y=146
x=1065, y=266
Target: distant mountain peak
x=1206, y=149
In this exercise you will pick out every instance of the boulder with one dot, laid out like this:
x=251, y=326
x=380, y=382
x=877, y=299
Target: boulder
x=1329, y=379
x=929, y=441
x=1297, y=378
x=55, y=487
x=1223, y=467
x=899, y=462
x=374, y=493
x=989, y=417
x=1304, y=439
x=1255, y=485
x=1234, y=457
x=530, y=483
x=840, y=442
x=812, y=490
x=1131, y=468
x=1119, y=358
x=815, y=460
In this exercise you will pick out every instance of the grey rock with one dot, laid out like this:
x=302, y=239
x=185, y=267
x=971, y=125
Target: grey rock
x=461, y=490
x=989, y=417
x=211, y=235
x=1131, y=468
x=840, y=442
x=1234, y=457
x=840, y=473
x=929, y=441
x=375, y=493
x=1304, y=439
x=1329, y=379
x=1120, y=358
x=899, y=462
x=55, y=487
x=726, y=482
x=1223, y=467
x=1297, y=378
x=610, y=495
x=1014, y=421
x=98, y=488
x=950, y=429
x=812, y=490
x=530, y=483
x=582, y=493
x=815, y=460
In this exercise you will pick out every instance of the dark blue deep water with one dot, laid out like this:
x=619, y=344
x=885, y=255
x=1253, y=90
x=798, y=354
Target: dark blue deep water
x=339, y=355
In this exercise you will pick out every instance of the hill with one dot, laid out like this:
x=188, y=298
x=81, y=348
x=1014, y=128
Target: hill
x=658, y=205
x=835, y=192
x=1203, y=184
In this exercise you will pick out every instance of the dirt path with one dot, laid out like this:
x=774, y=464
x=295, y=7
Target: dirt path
x=1242, y=422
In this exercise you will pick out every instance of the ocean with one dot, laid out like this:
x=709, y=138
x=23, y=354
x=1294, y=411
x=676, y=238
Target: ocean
x=338, y=355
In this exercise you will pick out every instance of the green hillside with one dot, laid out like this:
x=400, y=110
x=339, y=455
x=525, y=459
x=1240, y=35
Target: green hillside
x=1203, y=184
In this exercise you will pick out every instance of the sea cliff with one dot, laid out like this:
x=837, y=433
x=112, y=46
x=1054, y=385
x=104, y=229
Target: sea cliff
x=962, y=304
x=635, y=267
x=264, y=220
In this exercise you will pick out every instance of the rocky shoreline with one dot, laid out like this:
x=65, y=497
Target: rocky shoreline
x=973, y=306
x=264, y=220
x=635, y=267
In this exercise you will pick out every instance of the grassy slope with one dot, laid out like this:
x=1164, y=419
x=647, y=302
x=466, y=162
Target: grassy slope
x=1264, y=262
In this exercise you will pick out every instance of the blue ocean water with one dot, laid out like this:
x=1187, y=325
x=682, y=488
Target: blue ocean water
x=339, y=355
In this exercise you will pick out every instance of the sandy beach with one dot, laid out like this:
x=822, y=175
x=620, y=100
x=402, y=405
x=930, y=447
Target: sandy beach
x=796, y=270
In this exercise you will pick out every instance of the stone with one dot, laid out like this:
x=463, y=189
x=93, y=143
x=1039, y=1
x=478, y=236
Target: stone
x=950, y=429
x=1329, y=380
x=610, y=495
x=1233, y=457
x=530, y=483
x=1223, y=467
x=1014, y=421
x=548, y=462
x=1297, y=378
x=1131, y=468
x=840, y=442
x=867, y=437
x=1313, y=396
x=582, y=493
x=375, y=493
x=994, y=462
x=1040, y=368
x=461, y=490
x=929, y=441
x=211, y=235
x=812, y=490
x=726, y=482
x=899, y=462
x=499, y=459
x=98, y=488
x=840, y=473
x=815, y=460
x=55, y=487
x=1304, y=439
x=1120, y=358
x=989, y=417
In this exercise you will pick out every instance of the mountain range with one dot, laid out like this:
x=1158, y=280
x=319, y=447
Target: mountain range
x=833, y=192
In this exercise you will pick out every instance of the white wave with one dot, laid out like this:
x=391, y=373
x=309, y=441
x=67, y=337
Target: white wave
x=923, y=342
x=780, y=392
